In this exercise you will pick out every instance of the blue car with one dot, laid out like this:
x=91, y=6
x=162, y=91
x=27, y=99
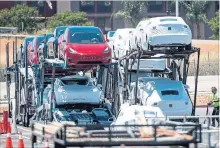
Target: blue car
x=21, y=52
x=43, y=51
x=53, y=41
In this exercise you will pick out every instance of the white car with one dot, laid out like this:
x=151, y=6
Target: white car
x=164, y=31
x=121, y=41
x=128, y=115
x=138, y=32
x=169, y=95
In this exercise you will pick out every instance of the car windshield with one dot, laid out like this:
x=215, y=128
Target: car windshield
x=39, y=40
x=60, y=31
x=27, y=40
x=75, y=82
x=134, y=75
x=86, y=38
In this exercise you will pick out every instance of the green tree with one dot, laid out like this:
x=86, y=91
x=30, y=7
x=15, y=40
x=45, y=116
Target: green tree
x=131, y=12
x=17, y=15
x=69, y=18
x=214, y=25
x=196, y=13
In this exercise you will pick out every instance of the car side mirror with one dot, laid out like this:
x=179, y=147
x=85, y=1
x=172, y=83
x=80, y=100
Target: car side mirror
x=186, y=87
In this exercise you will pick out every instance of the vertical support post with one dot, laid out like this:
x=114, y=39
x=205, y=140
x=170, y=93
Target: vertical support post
x=52, y=100
x=137, y=75
x=26, y=84
x=8, y=79
x=42, y=83
x=177, y=8
x=126, y=78
x=196, y=81
x=14, y=127
x=185, y=62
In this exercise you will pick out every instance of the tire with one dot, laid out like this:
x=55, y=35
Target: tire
x=151, y=48
x=188, y=47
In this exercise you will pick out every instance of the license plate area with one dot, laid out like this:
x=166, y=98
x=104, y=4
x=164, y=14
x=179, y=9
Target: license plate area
x=170, y=105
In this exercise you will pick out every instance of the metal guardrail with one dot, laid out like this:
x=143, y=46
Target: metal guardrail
x=66, y=135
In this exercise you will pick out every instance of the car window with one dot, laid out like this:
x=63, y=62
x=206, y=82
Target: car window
x=75, y=82
x=86, y=37
x=169, y=92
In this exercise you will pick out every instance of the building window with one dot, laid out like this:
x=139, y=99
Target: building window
x=216, y=6
x=104, y=24
x=104, y=6
x=87, y=6
x=101, y=23
x=155, y=6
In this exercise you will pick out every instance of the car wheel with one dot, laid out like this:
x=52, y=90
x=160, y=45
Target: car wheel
x=151, y=48
x=188, y=47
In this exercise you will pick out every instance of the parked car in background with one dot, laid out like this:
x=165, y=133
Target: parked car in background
x=45, y=51
x=53, y=41
x=109, y=38
x=33, y=50
x=21, y=52
x=84, y=46
x=110, y=35
x=169, y=95
x=167, y=31
x=139, y=33
x=121, y=42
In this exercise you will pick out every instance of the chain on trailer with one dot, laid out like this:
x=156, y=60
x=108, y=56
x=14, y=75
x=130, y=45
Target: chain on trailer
x=177, y=61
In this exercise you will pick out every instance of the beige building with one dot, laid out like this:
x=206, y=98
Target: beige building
x=100, y=13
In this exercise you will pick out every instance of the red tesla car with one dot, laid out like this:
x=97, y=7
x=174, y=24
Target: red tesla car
x=84, y=46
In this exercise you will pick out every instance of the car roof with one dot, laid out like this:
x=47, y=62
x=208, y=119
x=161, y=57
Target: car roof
x=167, y=19
x=90, y=28
x=74, y=77
x=131, y=108
x=61, y=27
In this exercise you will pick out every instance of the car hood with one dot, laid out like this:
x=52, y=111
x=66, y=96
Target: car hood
x=78, y=94
x=88, y=48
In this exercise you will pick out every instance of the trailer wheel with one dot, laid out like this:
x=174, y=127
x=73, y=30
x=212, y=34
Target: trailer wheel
x=188, y=47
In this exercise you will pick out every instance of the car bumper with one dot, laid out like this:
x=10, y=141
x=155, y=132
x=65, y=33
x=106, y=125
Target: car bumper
x=171, y=39
x=88, y=60
x=184, y=112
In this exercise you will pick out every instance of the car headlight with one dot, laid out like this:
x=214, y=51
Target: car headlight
x=71, y=50
x=106, y=50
